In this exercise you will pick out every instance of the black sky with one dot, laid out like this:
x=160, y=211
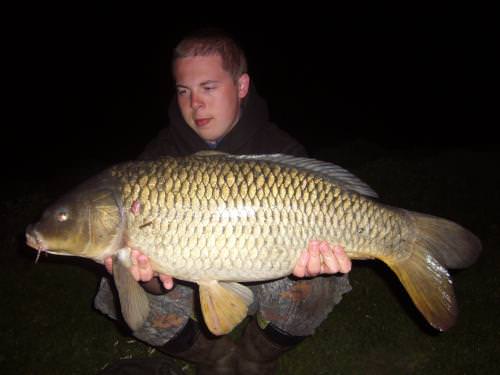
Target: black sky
x=94, y=82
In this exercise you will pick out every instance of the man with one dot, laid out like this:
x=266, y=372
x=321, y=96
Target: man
x=218, y=108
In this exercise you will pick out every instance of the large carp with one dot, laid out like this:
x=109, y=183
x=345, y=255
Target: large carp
x=217, y=220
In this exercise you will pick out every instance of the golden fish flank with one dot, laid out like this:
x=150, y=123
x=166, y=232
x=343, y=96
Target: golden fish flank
x=218, y=219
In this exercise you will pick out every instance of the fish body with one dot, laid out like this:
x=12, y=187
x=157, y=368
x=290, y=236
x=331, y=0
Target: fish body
x=246, y=221
x=217, y=220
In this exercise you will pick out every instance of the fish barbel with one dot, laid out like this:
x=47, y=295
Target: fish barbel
x=217, y=220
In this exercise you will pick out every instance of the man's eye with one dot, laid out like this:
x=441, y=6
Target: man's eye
x=62, y=216
x=209, y=88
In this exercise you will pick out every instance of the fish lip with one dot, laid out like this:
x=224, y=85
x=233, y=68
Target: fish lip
x=34, y=239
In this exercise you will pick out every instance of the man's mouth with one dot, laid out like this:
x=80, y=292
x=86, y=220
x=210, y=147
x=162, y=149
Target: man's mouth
x=201, y=122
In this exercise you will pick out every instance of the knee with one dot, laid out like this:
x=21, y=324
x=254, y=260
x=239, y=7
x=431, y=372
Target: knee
x=302, y=305
x=161, y=328
x=169, y=315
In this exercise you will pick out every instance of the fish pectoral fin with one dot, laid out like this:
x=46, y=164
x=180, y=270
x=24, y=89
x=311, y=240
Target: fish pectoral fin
x=224, y=305
x=134, y=302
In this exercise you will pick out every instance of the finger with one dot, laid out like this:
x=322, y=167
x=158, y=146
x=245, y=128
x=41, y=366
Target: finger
x=134, y=254
x=314, y=265
x=143, y=262
x=134, y=270
x=300, y=267
x=167, y=281
x=145, y=269
x=108, y=263
x=345, y=264
x=330, y=263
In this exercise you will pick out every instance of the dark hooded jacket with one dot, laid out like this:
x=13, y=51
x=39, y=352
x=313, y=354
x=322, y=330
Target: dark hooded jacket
x=253, y=134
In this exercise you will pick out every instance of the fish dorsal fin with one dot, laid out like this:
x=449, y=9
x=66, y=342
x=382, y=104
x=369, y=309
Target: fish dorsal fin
x=330, y=171
x=211, y=153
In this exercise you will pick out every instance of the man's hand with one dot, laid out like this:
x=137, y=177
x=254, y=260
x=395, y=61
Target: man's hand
x=320, y=258
x=141, y=269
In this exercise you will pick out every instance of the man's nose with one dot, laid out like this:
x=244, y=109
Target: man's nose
x=196, y=101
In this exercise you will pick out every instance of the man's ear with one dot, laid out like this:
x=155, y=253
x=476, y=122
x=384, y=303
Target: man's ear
x=243, y=85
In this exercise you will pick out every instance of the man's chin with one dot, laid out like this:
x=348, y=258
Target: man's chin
x=207, y=135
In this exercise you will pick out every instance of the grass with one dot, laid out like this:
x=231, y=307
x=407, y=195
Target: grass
x=48, y=324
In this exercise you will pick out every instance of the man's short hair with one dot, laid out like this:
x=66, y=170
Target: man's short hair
x=211, y=41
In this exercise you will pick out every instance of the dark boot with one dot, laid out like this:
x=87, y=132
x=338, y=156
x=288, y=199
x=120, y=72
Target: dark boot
x=259, y=349
x=211, y=354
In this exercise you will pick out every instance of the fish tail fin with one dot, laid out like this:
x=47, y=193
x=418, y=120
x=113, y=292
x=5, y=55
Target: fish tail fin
x=451, y=244
x=134, y=302
x=438, y=244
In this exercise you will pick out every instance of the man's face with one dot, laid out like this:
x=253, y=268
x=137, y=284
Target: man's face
x=208, y=97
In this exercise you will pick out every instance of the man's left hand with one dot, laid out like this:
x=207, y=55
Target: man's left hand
x=321, y=258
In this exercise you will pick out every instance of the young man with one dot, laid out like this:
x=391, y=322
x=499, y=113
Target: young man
x=218, y=108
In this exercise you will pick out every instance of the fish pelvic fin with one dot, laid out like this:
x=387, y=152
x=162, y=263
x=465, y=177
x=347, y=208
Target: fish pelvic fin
x=224, y=305
x=438, y=244
x=134, y=302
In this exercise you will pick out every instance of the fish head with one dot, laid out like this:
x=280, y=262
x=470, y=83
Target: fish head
x=86, y=222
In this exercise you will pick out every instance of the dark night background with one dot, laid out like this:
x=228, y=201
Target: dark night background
x=93, y=82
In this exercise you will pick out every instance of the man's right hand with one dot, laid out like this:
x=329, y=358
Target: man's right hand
x=142, y=271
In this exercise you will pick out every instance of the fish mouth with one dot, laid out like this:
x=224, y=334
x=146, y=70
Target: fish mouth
x=34, y=240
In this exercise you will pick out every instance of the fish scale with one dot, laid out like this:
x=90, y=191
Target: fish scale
x=255, y=195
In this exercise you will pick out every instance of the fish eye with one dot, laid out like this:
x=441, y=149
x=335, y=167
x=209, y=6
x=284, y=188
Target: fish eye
x=62, y=216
